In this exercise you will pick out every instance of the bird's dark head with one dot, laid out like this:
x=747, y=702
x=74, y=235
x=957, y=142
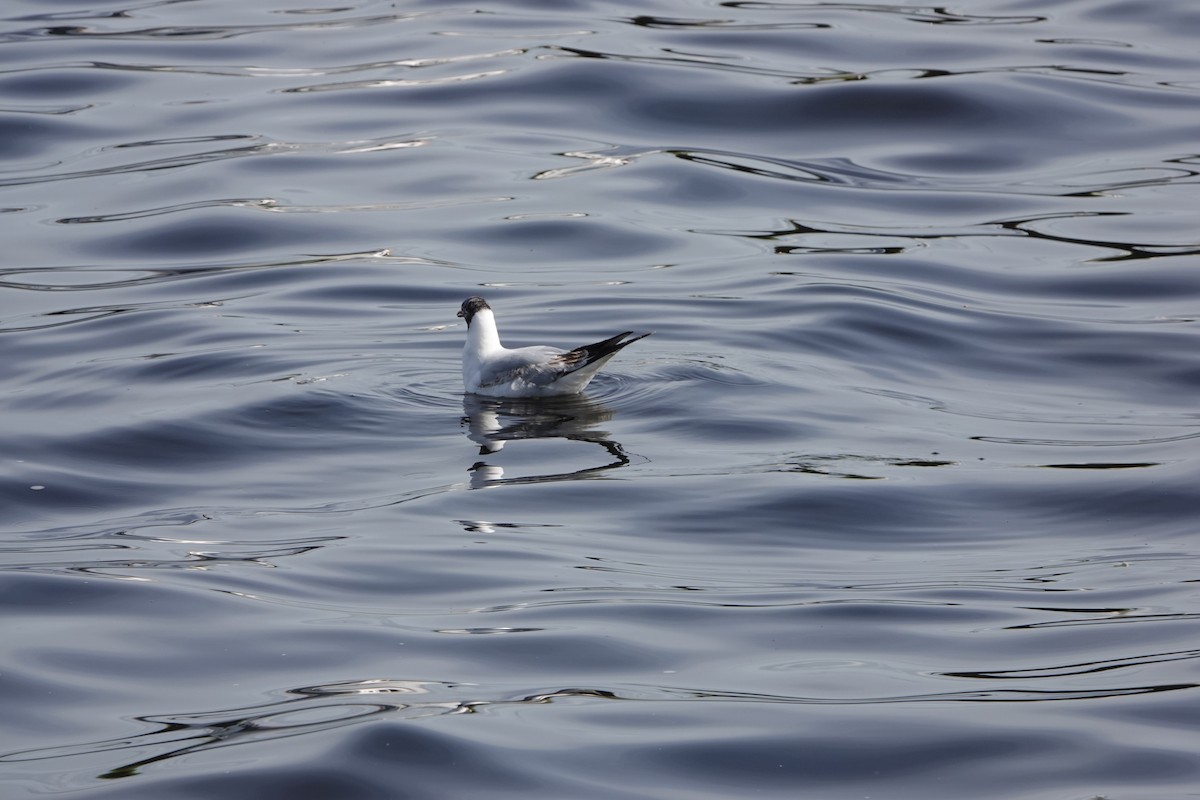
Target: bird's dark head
x=470, y=307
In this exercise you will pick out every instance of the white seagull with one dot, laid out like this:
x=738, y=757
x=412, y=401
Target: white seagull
x=492, y=370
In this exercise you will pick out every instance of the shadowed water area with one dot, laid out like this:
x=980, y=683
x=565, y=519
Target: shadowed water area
x=898, y=502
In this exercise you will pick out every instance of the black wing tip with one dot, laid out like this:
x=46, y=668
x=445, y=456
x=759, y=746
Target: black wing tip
x=619, y=341
x=582, y=356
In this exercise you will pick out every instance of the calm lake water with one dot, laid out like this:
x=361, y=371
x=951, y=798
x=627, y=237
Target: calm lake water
x=899, y=502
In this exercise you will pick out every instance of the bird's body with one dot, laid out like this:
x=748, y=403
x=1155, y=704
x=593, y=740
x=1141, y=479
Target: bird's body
x=493, y=370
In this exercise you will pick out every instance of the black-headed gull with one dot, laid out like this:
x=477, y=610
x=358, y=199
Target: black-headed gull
x=491, y=369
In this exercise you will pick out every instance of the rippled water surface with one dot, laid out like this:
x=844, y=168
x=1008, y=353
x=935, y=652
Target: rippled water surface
x=899, y=502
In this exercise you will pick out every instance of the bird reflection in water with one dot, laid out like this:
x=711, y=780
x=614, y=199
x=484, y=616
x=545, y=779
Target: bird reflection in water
x=491, y=423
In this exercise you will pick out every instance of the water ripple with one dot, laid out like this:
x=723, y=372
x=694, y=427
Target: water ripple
x=899, y=501
x=311, y=709
x=261, y=149
x=189, y=31
x=926, y=14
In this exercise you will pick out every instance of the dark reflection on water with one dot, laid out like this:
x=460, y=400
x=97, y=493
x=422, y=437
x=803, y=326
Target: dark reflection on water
x=898, y=503
x=493, y=423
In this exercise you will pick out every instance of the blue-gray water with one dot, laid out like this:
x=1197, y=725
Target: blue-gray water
x=899, y=502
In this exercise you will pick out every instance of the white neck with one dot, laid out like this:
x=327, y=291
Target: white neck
x=482, y=336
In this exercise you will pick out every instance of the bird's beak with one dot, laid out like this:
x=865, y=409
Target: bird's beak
x=459, y=314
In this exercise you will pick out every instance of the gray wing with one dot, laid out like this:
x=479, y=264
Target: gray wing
x=533, y=365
